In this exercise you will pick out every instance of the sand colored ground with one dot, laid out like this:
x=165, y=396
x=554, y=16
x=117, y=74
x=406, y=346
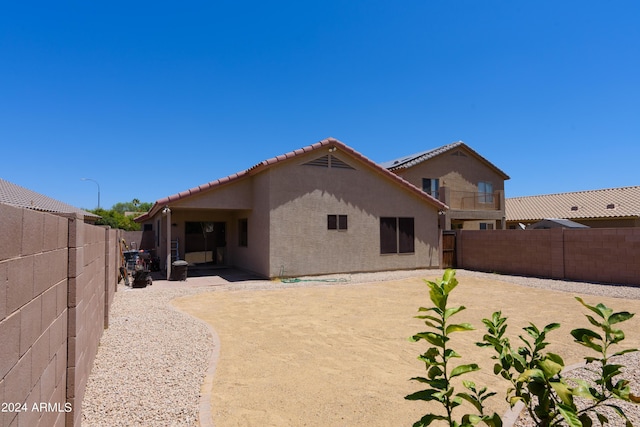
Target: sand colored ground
x=338, y=355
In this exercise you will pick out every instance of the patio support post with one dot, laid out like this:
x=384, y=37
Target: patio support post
x=167, y=213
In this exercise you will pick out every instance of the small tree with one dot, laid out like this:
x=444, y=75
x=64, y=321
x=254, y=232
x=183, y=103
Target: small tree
x=437, y=361
x=536, y=378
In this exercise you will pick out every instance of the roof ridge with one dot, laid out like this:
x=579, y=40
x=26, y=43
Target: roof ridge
x=288, y=155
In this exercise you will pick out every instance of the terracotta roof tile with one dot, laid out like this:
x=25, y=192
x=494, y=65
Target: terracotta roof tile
x=607, y=203
x=159, y=204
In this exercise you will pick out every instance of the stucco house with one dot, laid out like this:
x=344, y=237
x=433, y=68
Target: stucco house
x=459, y=177
x=322, y=209
x=606, y=208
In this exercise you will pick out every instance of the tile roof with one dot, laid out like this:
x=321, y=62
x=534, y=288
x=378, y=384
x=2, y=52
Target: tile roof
x=607, y=203
x=417, y=158
x=15, y=195
x=159, y=204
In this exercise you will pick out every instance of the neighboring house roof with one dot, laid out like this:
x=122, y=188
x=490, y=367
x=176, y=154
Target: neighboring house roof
x=607, y=203
x=417, y=158
x=556, y=223
x=275, y=160
x=15, y=195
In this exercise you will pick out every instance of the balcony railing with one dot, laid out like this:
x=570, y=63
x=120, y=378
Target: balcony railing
x=469, y=200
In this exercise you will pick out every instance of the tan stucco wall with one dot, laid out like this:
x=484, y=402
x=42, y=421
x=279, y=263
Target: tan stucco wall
x=302, y=196
x=459, y=176
x=459, y=173
x=286, y=206
x=234, y=195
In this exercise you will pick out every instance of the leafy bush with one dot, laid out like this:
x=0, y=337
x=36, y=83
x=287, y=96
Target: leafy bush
x=535, y=377
x=437, y=361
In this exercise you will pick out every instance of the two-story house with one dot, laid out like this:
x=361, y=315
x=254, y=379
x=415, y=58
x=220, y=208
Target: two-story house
x=469, y=184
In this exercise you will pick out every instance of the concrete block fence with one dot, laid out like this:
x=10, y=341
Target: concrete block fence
x=607, y=255
x=58, y=277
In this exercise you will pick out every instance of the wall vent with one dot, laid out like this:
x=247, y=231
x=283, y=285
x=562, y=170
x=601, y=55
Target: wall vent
x=320, y=161
x=337, y=163
x=329, y=161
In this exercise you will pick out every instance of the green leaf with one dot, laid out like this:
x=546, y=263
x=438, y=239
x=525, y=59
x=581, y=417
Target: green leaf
x=497, y=368
x=451, y=311
x=620, y=317
x=450, y=353
x=549, y=367
x=610, y=370
x=470, y=420
x=556, y=358
x=593, y=321
x=449, y=281
x=434, y=371
x=426, y=395
x=563, y=392
x=629, y=350
x=569, y=415
x=531, y=373
x=551, y=327
x=436, y=295
x=492, y=420
x=586, y=337
x=463, y=369
x=471, y=399
x=431, y=337
x=428, y=419
x=600, y=309
x=470, y=385
x=602, y=418
x=461, y=327
x=618, y=336
x=583, y=389
x=585, y=420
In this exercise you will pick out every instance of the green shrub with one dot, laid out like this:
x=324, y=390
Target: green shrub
x=438, y=358
x=535, y=376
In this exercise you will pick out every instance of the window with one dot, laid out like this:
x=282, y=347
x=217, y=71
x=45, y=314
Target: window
x=485, y=192
x=431, y=186
x=243, y=232
x=336, y=222
x=396, y=235
x=147, y=227
x=486, y=226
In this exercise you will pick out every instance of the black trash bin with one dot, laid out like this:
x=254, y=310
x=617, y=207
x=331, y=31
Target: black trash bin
x=179, y=270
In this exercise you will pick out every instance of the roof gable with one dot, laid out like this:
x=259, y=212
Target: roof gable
x=455, y=147
x=606, y=203
x=15, y=195
x=332, y=143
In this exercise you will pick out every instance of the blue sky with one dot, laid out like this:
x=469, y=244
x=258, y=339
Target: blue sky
x=150, y=98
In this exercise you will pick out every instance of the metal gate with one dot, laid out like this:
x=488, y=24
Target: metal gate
x=448, y=249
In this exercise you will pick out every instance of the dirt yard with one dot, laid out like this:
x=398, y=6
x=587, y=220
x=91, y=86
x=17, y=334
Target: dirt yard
x=339, y=355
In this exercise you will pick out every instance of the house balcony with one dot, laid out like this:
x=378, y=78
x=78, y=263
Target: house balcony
x=472, y=206
x=472, y=201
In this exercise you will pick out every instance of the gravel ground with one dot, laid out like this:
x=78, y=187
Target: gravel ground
x=152, y=360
